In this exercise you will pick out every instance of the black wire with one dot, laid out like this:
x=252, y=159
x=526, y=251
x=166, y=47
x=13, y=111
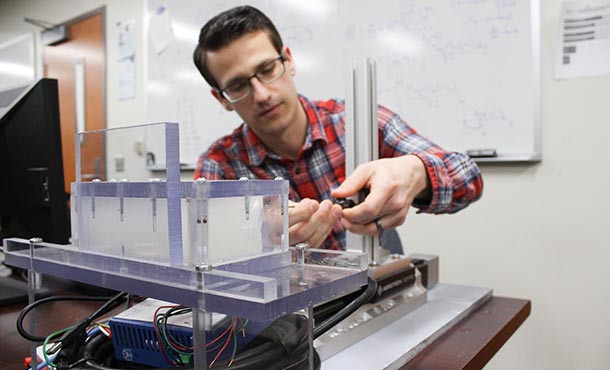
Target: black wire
x=282, y=345
x=347, y=310
x=93, y=365
x=105, y=354
x=113, y=303
x=74, y=339
x=176, y=311
x=276, y=351
x=317, y=362
x=93, y=344
x=270, y=354
x=33, y=338
x=77, y=363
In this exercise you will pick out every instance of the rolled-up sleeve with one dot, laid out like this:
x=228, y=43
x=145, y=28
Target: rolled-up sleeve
x=455, y=179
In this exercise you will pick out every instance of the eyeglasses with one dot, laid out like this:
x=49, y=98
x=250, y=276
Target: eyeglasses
x=240, y=89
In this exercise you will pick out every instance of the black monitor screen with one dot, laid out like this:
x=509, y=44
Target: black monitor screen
x=33, y=201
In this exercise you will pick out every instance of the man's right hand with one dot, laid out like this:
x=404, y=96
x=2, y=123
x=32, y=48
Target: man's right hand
x=310, y=221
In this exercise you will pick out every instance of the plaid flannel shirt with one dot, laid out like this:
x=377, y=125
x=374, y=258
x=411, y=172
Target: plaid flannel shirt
x=320, y=166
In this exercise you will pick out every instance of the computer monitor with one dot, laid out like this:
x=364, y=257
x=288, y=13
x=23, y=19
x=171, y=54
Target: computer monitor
x=33, y=201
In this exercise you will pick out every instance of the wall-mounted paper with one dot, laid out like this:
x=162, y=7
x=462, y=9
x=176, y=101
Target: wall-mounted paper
x=584, y=40
x=160, y=29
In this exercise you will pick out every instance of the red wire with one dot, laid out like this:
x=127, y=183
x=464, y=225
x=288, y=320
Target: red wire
x=159, y=336
x=176, y=343
x=226, y=343
x=230, y=329
x=219, y=337
x=181, y=347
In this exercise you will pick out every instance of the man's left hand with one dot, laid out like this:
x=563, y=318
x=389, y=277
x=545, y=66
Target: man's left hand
x=393, y=184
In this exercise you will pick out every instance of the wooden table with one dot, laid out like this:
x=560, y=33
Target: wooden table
x=470, y=344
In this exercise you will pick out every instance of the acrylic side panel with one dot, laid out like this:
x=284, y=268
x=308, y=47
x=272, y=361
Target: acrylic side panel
x=232, y=220
x=122, y=219
x=136, y=232
x=128, y=216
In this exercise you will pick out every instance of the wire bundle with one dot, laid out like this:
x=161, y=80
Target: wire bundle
x=282, y=345
x=177, y=353
x=174, y=352
x=66, y=352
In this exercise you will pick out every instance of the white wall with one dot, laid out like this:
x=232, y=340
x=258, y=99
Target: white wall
x=542, y=231
x=539, y=232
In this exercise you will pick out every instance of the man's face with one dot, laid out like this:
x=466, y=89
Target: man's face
x=271, y=108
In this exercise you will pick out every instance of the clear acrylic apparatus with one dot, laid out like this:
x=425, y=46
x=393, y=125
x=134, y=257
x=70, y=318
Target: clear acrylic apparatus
x=218, y=247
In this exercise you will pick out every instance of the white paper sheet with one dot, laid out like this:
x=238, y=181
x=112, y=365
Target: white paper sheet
x=160, y=30
x=584, y=40
x=126, y=68
x=126, y=35
x=126, y=72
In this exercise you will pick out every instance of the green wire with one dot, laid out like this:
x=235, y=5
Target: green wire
x=164, y=331
x=167, y=335
x=161, y=324
x=244, y=323
x=46, y=341
x=234, y=345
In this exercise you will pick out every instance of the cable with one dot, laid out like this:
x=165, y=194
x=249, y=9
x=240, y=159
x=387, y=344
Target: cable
x=283, y=345
x=347, y=310
x=158, y=335
x=113, y=303
x=33, y=338
x=46, y=341
x=75, y=338
x=93, y=344
x=229, y=336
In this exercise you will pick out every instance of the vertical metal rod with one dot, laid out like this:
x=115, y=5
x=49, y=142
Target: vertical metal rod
x=373, y=140
x=201, y=320
x=300, y=249
x=310, y=336
x=351, y=107
x=34, y=285
x=361, y=136
x=354, y=242
x=199, y=337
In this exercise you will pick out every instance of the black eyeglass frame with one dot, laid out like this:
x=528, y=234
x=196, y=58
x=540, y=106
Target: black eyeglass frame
x=224, y=94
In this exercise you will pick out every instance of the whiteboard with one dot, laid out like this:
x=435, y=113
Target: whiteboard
x=464, y=73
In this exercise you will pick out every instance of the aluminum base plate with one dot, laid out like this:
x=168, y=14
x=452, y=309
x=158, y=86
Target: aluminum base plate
x=394, y=345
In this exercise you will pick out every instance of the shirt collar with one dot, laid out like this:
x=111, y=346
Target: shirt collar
x=256, y=149
x=315, y=131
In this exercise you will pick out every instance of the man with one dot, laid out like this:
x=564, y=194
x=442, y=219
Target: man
x=241, y=56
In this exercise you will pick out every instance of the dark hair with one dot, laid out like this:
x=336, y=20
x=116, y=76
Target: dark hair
x=227, y=27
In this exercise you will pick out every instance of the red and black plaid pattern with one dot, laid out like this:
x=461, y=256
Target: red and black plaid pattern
x=320, y=166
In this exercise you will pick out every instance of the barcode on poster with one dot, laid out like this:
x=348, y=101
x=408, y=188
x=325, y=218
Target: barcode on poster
x=569, y=49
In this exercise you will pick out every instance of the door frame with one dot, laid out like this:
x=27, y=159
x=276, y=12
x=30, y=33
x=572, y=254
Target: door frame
x=67, y=89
